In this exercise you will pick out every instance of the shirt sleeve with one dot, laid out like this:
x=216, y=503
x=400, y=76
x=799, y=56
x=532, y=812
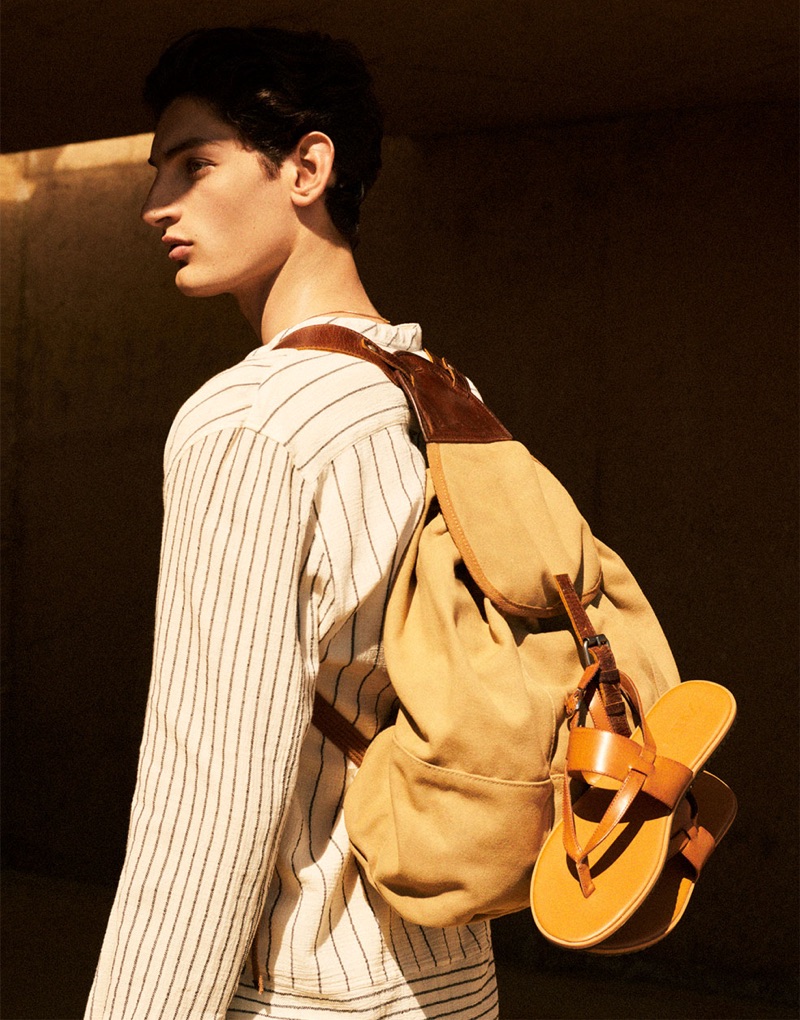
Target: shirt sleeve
x=229, y=704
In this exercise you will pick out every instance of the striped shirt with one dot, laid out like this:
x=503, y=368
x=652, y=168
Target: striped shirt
x=292, y=486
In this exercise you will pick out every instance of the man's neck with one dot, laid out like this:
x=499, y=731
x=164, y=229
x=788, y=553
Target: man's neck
x=318, y=278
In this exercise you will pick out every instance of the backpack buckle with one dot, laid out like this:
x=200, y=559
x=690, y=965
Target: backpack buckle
x=591, y=642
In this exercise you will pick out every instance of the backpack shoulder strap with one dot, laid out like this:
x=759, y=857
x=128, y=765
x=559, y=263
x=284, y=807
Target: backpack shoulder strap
x=513, y=544
x=332, y=724
x=447, y=409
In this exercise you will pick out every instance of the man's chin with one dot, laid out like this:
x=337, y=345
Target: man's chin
x=190, y=286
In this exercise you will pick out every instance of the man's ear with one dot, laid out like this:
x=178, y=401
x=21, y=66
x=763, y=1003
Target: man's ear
x=312, y=167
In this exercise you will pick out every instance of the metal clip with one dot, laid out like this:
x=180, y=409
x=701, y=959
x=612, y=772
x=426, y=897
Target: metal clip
x=591, y=642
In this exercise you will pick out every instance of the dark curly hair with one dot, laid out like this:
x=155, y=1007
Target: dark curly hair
x=275, y=86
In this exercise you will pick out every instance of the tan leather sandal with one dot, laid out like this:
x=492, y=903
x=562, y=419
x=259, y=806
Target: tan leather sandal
x=709, y=809
x=599, y=864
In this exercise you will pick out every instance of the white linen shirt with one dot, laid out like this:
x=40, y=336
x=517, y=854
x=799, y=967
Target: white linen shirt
x=292, y=487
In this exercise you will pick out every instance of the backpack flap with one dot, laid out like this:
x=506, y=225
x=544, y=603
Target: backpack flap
x=515, y=526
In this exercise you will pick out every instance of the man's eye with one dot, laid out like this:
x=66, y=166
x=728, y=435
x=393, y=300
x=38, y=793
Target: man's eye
x=194, y=166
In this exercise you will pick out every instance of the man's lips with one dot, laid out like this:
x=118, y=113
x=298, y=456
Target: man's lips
x=178, y=248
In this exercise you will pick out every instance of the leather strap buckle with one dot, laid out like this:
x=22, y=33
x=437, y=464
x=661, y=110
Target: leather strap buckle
x=591, y=642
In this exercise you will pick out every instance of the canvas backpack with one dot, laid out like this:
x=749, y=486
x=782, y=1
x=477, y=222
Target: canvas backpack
x=502, y=599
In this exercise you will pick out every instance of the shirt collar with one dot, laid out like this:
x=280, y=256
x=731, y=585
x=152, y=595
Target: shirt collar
x=406, y=336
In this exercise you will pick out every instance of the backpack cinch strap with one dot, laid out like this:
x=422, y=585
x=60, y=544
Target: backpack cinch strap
x=596, y=649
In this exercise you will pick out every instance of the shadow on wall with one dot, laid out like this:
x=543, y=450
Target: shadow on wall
x=625, y=302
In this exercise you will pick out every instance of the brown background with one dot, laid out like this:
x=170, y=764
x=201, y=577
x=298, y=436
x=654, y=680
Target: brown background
x=601, y=231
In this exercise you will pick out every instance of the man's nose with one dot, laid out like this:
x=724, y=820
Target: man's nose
x=159, y=209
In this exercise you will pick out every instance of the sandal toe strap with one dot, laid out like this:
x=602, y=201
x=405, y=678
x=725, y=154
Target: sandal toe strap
x=699, y=846
x=614, y=813
x=636, y=767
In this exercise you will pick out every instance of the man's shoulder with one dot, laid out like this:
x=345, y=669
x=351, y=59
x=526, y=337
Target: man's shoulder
x=313, y=402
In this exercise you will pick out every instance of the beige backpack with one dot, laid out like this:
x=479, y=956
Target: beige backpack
x=453, y=801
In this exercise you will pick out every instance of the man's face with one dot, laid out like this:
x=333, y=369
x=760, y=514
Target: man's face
x=227, y=226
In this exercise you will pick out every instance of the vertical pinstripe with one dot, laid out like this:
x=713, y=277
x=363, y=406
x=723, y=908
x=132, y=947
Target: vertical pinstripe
x=292, y=485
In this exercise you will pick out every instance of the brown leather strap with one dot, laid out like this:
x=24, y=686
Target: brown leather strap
x=332, y=724
x=595, y=647
x=339, y=340
x=447, y=410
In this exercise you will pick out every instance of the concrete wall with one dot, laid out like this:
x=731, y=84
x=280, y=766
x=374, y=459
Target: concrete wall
x=622, y=292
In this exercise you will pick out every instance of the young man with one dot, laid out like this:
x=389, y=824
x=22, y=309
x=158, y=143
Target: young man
x=292, y=487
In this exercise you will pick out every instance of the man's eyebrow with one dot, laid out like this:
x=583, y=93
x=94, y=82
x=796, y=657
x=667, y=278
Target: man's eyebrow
x=179, y=147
